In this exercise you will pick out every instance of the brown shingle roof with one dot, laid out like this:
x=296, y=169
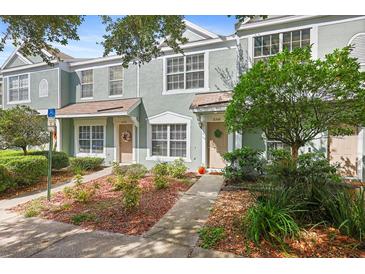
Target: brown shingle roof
x=98, y=108
x=211, y=99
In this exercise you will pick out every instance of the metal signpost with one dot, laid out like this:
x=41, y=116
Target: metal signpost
x=51, y=128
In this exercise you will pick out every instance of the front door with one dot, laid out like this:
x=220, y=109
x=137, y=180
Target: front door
x=126, y=143
x=343, y=150
x=217, y=144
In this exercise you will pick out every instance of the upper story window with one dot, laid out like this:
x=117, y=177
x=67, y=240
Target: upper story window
x=87, y=83
x=269, y=45
x=115, y=80
x=185, y=72
x=18, y=87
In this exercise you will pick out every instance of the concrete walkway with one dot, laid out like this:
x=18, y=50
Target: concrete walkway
x=175, y=235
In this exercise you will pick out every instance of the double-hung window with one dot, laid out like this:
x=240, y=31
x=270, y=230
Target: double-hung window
x=91, y=139
x=115, y=80
x=87, y=83
x=18, y=88
x=269, y=45
x=185, y=72
x=169, y=140
x=272, y=145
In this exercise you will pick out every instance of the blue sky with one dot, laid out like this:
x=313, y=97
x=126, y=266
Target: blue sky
x=92, y=29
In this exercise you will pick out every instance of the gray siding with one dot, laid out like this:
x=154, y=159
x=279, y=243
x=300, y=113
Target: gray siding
x=15, y=62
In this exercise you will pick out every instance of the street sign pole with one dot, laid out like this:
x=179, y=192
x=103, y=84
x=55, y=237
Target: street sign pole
x=51, y=127
x=49, y=165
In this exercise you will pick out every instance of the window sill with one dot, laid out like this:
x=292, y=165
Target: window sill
x=19, y=102
x=182, y=91
x=83, y=154
x=116, y=96
x=166, y=159
x=86, y=98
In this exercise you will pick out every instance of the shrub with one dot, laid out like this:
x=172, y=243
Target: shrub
x=82, y=217
x=82, y=164
x=34, y=208
x=160, y=182
x=161, y=169
x=6, y=180
x=243, y=164
x=59, y=159
x=118, y=169
x=210, y=236
x=136, y=171
x=131, y=191
x=27, y=170
x=177, y=168
x=270, y=221
x=80, y=193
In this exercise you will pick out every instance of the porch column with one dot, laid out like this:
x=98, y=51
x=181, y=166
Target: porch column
x=204, y=143
x=238, y=140
x=360, y=154
x=230, y=142
x=59, y=134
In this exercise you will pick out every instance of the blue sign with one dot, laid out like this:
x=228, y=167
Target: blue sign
x=51, y=113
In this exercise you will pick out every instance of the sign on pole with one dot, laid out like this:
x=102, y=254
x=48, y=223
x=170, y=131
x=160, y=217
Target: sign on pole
x=51, y=114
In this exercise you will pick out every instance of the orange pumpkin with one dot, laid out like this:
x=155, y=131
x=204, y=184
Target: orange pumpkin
x=201, y=170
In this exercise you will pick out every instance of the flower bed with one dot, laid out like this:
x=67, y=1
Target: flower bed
x=313, y=242
x=105, y=211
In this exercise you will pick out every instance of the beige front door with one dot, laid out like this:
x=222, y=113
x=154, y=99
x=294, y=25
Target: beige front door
x=217, y=145
x=126, y=143
x=343, y=150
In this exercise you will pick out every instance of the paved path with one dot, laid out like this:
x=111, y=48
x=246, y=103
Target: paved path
x=173, y=236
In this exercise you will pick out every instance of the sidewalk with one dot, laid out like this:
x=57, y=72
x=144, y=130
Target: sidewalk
x=175, y=235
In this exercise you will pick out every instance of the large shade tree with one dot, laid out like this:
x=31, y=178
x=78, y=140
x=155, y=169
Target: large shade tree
x=293, y=97
x=21, y=127
x=138, y=38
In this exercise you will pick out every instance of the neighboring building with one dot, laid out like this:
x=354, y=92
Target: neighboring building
x=173, y=107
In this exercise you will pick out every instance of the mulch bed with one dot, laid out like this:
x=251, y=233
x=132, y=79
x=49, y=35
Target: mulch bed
x=107, y=208
x=316, y=242
x=58, y=177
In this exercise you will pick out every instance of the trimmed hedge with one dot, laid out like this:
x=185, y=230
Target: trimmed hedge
x=27, y=170
x=59, y=159
x=5, y=179
x=81, y=164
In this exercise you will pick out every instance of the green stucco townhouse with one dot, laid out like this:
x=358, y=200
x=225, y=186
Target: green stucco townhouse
x=173, y=107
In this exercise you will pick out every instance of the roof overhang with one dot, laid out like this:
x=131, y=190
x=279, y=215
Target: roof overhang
x=211, y=102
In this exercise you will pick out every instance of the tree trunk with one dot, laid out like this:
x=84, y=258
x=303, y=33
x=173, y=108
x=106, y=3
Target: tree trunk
x=25, y=150
x=294, y=151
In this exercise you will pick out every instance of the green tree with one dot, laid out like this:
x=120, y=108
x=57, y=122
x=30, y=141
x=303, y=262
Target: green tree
x=293, y=97
x=21, y=127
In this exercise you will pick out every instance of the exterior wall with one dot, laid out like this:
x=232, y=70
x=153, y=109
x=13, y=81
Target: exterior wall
x=36, y=102
x=15, y=62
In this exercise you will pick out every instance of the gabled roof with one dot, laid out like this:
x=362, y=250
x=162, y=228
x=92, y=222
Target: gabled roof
x=202, y=32
x=17, y=53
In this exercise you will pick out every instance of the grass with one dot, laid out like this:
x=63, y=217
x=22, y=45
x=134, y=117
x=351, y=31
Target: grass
x=82, y=217
x=210, y=236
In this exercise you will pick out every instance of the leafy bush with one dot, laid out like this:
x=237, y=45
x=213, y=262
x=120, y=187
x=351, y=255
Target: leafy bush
x=6, y=180
x=210, y=236
x=136, y=171
x=160, y=182
x=131, y=191
x=59, y=159
x=161, y=169
x=82, y=217
x=27, y=170
x=243, y=164
x=82, y=164
x=118, y=169
x=80, y=193
x=177, y=168
x=271, y=221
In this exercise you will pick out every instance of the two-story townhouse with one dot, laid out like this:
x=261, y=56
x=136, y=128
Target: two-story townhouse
x=173, y=107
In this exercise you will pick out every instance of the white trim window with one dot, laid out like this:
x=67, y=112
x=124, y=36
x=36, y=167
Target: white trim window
x=270, y=44
x=185, y=72
x=115, y=81
x=169, y=140
x=18, y=88
x=87, y=83
x=91, y=139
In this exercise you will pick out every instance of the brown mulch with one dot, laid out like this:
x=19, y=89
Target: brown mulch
x=316, y=242
x=107, y=208
x=58, y=177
